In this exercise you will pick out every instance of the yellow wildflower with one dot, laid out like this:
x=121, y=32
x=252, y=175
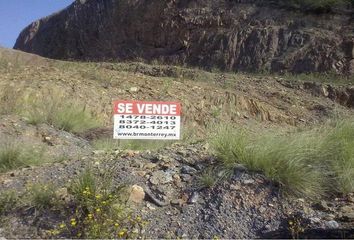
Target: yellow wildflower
x=62, y=225
x=121, y=233
x=98, y=210
x=98, y=196
x=116, y=224
x=104, y=202
x=73, y=222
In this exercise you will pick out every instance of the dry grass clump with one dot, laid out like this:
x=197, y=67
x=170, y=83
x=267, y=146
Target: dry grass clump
x=53, y=108
x=15, y=155
x=65, y=114
x=310, y=163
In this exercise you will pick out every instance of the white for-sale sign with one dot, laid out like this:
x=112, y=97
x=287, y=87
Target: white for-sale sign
x=147, y=120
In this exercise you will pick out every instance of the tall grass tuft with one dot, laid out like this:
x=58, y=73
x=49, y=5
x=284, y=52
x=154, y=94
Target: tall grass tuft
x=13, y=156
x=340, y=147
x=68, y=115
x=310, y=163
x=42, y=196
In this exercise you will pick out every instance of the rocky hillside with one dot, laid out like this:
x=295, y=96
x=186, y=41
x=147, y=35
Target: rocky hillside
x=245, y=35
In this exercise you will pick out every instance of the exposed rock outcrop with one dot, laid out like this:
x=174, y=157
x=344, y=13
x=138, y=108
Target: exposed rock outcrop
x=231, y=35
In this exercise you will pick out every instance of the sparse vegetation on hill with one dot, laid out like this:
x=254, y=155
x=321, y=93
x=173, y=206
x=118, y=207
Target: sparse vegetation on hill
x=59, y=106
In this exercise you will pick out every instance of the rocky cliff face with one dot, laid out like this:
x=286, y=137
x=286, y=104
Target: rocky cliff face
x=235, y=35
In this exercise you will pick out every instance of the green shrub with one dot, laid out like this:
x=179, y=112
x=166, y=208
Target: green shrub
x=311, y=163
x=13, y=156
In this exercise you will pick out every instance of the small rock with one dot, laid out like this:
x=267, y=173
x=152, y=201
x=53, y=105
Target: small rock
x=150, y=166
x=176, y=177
x=183, y=153
x=98, y=152
x=188, y=170
x=235, y=187
x=267, y=227
x=134, y=89
x=248, y=181
x=325, y=91
x=329, y=217
x=137, y=194
x=193, y=198
x=351, y=197
x=161, y=177
x=62, y=193
x=347, y=213
x=136, y=163
x=6, y=182
x=262, y=209
x=140, y=173
x=150, y=206
x=176, y=202
x=163, y=158
x=186, y=177
x=315, y=220
x=322, y=206
x=332, y=224
x=241, y=168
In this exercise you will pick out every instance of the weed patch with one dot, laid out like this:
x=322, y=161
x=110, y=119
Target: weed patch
x=100, y=209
